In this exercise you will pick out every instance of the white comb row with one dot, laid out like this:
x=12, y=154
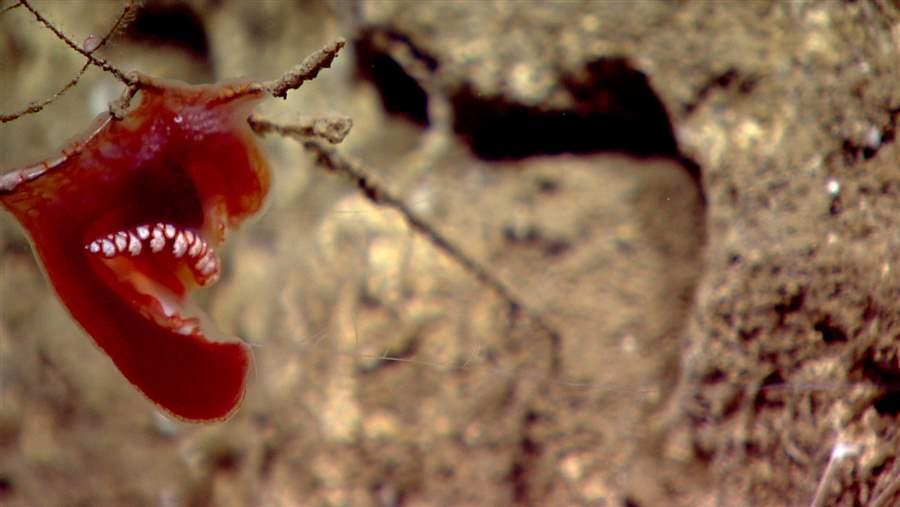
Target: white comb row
x=154, y=237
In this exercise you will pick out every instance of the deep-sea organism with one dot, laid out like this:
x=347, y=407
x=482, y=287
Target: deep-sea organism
x=126, y=219
x=125, y=223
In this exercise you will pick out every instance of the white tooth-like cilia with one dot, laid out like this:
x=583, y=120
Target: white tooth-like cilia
x=121, y=241
x=196, y=247
x=179, y=246
x=109, y=249
x=206, y=264
x=134, y=244
x=158, y=241
x=155, y=237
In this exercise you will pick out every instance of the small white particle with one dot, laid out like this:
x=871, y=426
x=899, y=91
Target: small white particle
x=170, y=231
x=94, y=247
x=109, y=249
x=833, y=187
x=179, y=246
x=134, y=245
x=177, y=118
x=842, y=450
x=873, y=138
x=143, y=232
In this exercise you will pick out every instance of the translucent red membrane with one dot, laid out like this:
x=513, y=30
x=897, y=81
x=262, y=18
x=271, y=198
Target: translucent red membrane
x=125, y=224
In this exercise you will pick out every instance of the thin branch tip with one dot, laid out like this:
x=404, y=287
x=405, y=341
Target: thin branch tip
x=307, y=70
x=330, y=128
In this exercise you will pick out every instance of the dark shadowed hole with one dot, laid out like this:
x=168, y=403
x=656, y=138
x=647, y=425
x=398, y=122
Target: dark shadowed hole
x=529, y=450
x=888, y=403
x=400, y=93
x=714, y=376
x=172, y=24
x=224, y=456
x=614, y=110
x=6, y=486
x=770, y=392
x=831, y=332
x=792, y=304
x=886, y=376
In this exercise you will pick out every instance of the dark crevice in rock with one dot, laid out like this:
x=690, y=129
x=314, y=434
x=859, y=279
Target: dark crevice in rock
x=171, y=24
x=613, y=107
x=769, y=394
x=614, y=110
x=401, y=94
x=886, y=375
x=792, y=304
x=523, y=466
x=831, y=332
x=889, y=402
